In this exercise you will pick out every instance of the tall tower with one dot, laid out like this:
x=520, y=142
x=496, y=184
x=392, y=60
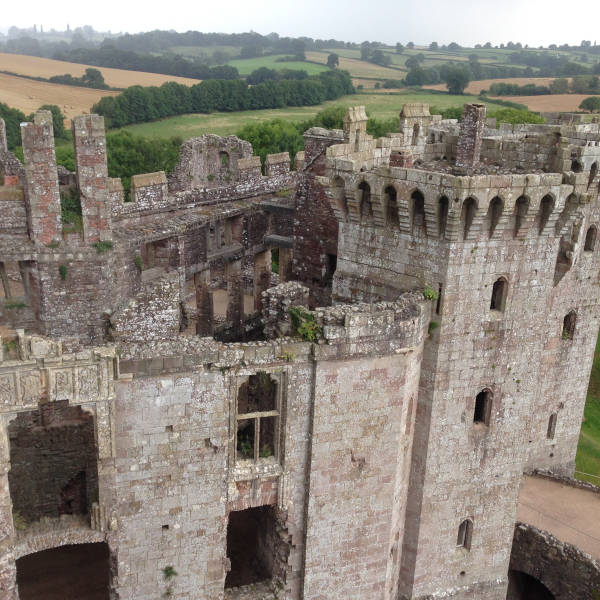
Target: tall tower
x=501, y=234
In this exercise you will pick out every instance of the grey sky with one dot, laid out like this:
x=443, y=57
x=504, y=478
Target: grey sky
x=532, y=22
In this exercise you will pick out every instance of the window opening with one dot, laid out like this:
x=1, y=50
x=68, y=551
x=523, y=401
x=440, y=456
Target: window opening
x=590, y=239
x=465, y=533
x=443, y=207
x=546, y=208
x=468, y=215
x=257, y=418
x=569, y=325
x=483, y=407
x=551, y=426
x=499, y=290
x=391, y=206
x=418, y=213
x=495, y=212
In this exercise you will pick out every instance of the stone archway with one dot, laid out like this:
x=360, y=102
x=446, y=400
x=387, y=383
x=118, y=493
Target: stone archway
x=67, y=573
x=522, y=586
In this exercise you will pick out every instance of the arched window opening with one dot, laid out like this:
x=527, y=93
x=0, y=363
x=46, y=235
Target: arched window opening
x=465, y=533
x=521, y=208
x=338, y=190
x=494, y=214
x=571, y=205
x=418, y=210
x=469, y=209
x=551, y=426
x=576, y=166
x=546, y=208
x=443, y=207
x=366, y=206
x=569, y=321
x=257, y=418
x=391, y=204
x=590, y=239
x=499, y=291
x=224, y=159
x=483, y=408
x=593, y=173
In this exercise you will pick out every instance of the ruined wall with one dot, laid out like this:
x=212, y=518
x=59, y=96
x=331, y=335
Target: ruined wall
x=315, y=227
x=53, y=462
x=567, y=573
x=208, y=161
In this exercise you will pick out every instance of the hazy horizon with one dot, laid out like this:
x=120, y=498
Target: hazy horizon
x=534, y=22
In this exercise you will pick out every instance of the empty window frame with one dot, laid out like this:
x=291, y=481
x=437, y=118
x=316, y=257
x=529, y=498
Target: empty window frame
x=568, y=330
x=483, y=408
x=465, y=534
x=257, y=418
x=499, y=293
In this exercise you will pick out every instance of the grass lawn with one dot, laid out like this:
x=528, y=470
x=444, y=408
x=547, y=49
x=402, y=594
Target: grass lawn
x=380, y=105
x=588, y=451
x=246, y=65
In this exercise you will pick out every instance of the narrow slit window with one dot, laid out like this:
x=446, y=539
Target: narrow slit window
x=483, y=408
x=551, y=426
x=465, y=533
x=391, y=206
x=438, y=304
x=521, y=209
x=443, y=207
x=418, y=212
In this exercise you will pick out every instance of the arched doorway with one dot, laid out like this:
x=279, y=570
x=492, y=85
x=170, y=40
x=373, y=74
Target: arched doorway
x=67, y=573
x=522, y=586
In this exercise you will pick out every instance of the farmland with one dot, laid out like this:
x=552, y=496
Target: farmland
x=358, y=68
x=28, y=95
x=245, y=66
x=380, y=105
x=33, y=66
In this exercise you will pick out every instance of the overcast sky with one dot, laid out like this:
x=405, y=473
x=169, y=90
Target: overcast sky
x=533, y=22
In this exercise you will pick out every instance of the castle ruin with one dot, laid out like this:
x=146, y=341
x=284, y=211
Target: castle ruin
x=189, y=424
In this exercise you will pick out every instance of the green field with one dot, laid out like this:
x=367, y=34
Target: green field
x=246, y=65
x=588, y=452
x=199, y=51
x=382, y=105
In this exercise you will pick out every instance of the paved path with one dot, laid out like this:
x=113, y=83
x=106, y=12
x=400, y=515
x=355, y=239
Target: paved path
x=571, y=514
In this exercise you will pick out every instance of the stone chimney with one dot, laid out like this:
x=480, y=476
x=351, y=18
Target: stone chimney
x=468, y=147
x=43, y=198
x=3, y=142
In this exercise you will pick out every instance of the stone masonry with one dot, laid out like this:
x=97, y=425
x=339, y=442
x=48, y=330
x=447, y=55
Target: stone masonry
x=355, y=426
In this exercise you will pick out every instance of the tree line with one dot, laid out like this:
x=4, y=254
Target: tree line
x=141, y=104
x=580, y=84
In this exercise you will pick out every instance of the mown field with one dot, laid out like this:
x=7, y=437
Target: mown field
x=34, y=66
x=28, y=95
x=245, y=66
x=380, y=105
x=358, y=68
x=588, y=452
